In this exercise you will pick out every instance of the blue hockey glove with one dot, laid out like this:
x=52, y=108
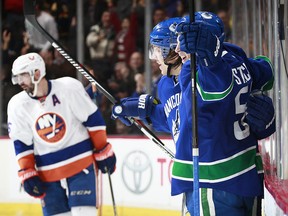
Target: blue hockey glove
x=134, y=107
x=260, y=112
x=198, y=37
x=32, y=183
x=128, y=107
x=124, y=120
x=106, y=159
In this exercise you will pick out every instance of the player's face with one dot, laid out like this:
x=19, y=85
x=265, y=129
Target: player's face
x=25, y=82
x=156, y=54
x=184, y=56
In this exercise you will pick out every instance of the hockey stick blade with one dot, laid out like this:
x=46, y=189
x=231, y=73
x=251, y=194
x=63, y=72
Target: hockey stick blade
x=29, y=13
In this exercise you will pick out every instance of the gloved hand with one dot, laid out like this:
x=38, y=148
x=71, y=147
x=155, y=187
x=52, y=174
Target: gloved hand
x=124, y=120
x=31, y=182
x=106, y=159
x=134, y=107
x=198, y=37
x=260, y=111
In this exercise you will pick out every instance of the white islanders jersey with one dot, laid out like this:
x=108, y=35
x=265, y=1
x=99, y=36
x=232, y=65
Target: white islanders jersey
x=55, y=129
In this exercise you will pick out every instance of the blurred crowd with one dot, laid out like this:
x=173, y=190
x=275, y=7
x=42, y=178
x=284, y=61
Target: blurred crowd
x=113, y=38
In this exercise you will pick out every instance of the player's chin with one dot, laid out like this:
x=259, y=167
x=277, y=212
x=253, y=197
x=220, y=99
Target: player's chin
x=184, y=59
x=24, y=88
x=28, y=90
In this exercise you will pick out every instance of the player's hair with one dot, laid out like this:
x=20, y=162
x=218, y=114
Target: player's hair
x=173, y=59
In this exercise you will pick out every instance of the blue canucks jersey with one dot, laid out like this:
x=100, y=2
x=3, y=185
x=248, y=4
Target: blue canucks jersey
x=165, y=116
x=228, y=150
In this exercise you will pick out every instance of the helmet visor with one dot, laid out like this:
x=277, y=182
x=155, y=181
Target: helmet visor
x=20, y=78
x=153, y=51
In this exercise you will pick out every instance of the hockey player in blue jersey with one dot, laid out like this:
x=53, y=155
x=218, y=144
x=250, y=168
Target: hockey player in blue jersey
x=182, y=179
x=229, y=161
x=162, y=113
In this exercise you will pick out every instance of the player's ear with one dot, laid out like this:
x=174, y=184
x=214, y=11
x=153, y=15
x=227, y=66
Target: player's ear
x=36, y=74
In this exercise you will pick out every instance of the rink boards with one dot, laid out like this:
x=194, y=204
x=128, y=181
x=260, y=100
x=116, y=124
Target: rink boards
x=141, y=183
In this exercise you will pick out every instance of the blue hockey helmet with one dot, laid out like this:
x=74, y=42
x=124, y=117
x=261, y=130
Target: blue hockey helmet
x=163, y=37
x=217, y=25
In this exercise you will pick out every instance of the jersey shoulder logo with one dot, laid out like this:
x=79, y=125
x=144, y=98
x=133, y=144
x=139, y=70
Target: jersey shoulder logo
x=50, y=127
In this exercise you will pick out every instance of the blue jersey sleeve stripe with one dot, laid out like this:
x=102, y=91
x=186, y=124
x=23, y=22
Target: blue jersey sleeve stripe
x=21, y=147
x=94, y=119
x=64, y=154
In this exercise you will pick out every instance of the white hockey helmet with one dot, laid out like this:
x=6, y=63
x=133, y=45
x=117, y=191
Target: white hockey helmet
x=28, y=63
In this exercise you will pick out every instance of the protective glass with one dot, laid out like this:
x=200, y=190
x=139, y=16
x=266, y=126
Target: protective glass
x=21, y=78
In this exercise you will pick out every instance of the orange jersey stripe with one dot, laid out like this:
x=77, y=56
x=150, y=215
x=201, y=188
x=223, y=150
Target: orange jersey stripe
x=26, y=162
x=66, y=170
x=98, y=138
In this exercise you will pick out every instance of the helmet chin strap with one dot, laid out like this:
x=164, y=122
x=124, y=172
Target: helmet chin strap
x=169, y=70
x=35, y=86
x=174, y=72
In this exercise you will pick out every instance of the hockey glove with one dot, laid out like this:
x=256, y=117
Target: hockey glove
x=31, y=182
x=124, y=120
x=260, y=111
x=198, y=37
x=106, y=159
x=134, y=107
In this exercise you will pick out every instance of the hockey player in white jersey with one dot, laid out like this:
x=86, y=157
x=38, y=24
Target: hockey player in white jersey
x=60, y=139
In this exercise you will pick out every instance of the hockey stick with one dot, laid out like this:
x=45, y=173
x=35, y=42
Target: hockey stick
x=29, y=13
x=195, y=148
x=112, y=192
x=183, y=212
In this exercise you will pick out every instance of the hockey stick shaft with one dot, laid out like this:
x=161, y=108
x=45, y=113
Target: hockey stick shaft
x=195, y=148
x=112, y=192
x=29, y=12
x=183, y=213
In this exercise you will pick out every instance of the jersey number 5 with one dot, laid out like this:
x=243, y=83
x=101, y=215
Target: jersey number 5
x=240, y=133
